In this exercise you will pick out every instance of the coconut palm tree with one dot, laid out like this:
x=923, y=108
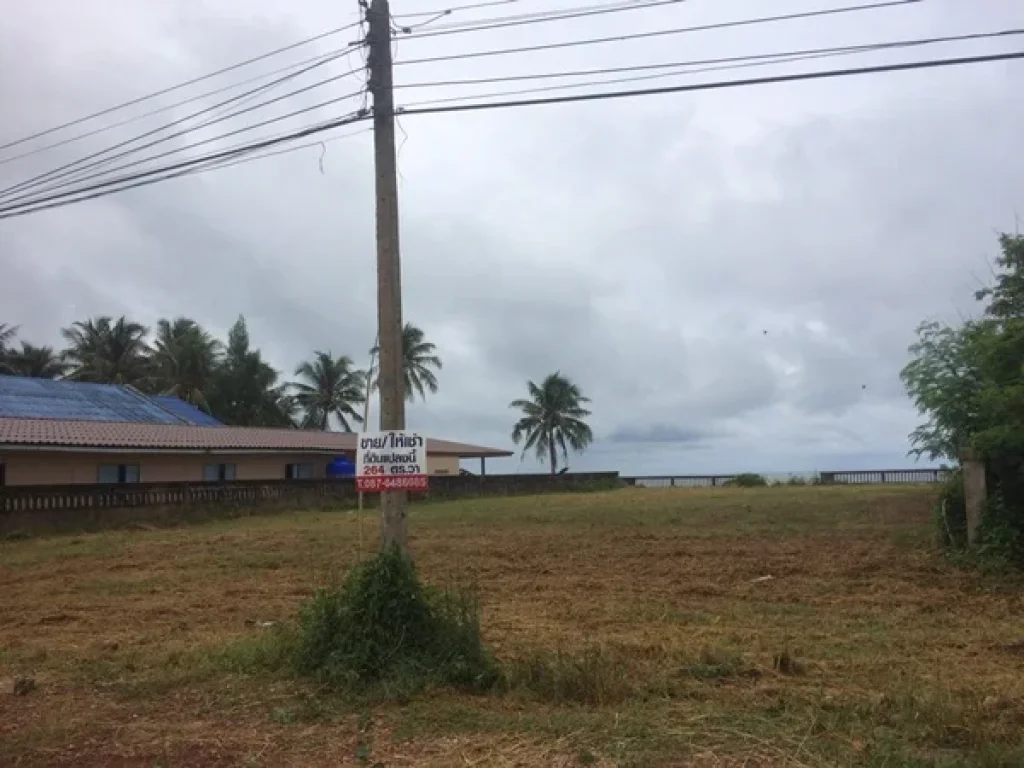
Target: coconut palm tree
x=330, y=387
x=552, y=420
x=37, y=362
x=418, y=358
x=108, y=351
x=184, y=360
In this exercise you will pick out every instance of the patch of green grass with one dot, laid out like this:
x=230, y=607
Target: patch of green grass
x=717, y=664
x=589, y=677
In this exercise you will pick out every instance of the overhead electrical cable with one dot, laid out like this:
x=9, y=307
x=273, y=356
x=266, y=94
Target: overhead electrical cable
x=688, y=70
x=719, y=85
x=780, y=55
x=169, y=107
x=176, y=150
x=179, y=86
x=159, y=174
x=455, y=9
x=536, y=14
x=151, y=176
x=97, y=159
x=656, y=33
x=550, y=16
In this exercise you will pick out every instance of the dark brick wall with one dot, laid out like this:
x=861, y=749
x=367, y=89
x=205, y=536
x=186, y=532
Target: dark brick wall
x=31, y=509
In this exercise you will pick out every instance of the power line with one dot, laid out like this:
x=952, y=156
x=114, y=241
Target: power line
x=136, y=163
x=541, y=18
x=160, y=174
x=75, y=167
x=179, y=86
x=659, y=33
x=455, y=9
x=636, y=78
x=536, y=14
x=720, y=84
x=167, y=107
x=781, y=55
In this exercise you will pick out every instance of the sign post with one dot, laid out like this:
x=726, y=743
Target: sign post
x=391, y=461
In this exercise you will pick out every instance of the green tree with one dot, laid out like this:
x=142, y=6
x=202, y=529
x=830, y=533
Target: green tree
x=108, y=351
x=7, y=334
x=185, y=359
x=246, y=391
x=553, y=420
x=944, y=379
x=330, y=387
x=37, y=362
x=419, y=361
x=968, y=383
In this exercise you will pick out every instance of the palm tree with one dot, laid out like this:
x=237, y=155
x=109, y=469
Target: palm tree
x=418, y=358
x=7, y=334
x=331, y=387
x=108, y=351
x=184, y=360
x=37, y=362
x=553, y=419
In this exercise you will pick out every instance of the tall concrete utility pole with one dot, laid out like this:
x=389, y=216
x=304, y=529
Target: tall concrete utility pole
x=393, y=526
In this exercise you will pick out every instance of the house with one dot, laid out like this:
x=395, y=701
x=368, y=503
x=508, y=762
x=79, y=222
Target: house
x=64, y=433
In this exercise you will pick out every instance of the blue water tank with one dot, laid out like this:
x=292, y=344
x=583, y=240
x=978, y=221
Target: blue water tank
x=341, y=467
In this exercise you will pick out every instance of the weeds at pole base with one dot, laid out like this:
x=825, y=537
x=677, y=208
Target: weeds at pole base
x=383, y=627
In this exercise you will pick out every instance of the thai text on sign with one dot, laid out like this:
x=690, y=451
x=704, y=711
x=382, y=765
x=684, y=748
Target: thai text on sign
x=391, y=461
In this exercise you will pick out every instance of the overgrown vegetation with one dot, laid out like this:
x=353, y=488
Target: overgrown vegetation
x=967, y=381
x=748, y=480
x=383, y=626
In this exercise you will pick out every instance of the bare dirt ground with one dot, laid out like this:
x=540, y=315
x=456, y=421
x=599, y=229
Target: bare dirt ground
x=864, y=647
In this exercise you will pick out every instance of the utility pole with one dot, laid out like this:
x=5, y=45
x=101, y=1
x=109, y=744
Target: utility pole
x=393, y=524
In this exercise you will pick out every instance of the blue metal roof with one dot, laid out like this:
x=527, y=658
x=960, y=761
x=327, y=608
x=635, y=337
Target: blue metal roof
x=186, y=411
x=22, y=397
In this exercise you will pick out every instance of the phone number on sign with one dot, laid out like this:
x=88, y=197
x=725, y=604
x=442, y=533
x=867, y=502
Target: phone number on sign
x=386, y=483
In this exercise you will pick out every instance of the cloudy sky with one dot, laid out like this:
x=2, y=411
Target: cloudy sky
x=732, y=276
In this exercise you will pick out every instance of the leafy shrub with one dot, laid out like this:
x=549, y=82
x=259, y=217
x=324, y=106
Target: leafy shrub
x=383, y=626
x=1001, y=532
x=748, y=480
x=951, y=513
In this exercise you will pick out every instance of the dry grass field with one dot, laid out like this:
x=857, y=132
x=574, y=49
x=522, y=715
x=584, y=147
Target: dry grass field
x=658, y=638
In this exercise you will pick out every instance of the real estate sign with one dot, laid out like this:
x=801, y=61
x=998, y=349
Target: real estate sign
x=391, y=461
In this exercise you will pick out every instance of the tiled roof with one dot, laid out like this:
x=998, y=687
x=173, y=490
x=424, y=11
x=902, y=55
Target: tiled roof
x=171, y=437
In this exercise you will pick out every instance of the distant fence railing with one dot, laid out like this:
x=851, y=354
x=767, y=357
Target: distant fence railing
x=90, y=501
x=840, y=477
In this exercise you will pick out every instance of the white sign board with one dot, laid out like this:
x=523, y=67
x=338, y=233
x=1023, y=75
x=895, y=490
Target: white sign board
x=391, y=461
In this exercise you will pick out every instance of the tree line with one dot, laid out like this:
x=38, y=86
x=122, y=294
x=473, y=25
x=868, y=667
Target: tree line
x=231, y=381
x=967, y=380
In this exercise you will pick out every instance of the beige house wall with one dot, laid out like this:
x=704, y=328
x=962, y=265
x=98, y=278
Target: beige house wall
x=443, y=465
x=71, y=468
x=58, y=468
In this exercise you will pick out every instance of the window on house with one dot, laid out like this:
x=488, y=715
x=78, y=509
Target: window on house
x=298, y=471
x=118, y=473
x=3, y=475
x=218, y=472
